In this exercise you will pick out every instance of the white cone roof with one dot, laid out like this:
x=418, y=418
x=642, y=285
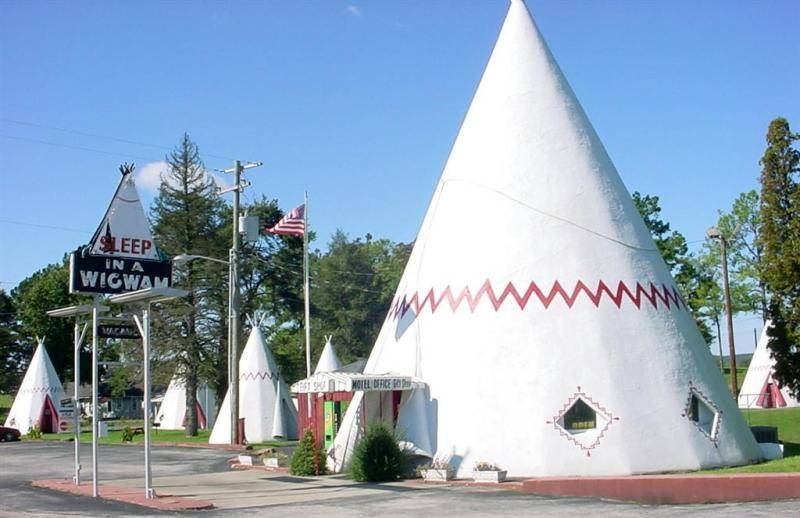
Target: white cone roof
x=534, y=282
x=759, y=373
x=328, y=360
x=40, y=382
x=262, y=395
x=172, y=412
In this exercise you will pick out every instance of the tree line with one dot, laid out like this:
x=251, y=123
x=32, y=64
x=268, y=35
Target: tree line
x=354, y=279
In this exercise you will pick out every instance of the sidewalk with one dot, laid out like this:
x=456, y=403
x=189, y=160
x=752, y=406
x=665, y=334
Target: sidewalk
x=129, y=495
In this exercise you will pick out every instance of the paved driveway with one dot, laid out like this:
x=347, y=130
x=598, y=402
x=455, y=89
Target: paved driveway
x=204, y=473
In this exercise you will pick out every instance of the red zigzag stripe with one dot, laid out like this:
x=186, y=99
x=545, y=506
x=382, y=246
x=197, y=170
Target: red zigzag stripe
x=667, y=296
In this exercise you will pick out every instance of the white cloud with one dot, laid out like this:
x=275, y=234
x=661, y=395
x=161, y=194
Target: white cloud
x=353, y=9
x=148, y=176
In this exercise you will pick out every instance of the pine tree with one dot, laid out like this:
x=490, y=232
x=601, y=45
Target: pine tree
x=780, y=239
x=186, y=217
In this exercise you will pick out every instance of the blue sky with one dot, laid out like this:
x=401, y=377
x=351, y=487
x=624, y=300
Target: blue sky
x=359, y=102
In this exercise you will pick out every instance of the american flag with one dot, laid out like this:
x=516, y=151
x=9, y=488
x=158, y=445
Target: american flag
x=292, y=224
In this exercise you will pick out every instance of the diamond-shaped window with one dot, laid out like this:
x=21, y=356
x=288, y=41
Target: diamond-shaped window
x=583, y=421
x=703, y=414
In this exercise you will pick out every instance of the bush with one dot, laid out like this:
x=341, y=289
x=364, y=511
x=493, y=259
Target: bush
x=127, y=434
x=34, y=433
x=308, y=459
x=377, y=457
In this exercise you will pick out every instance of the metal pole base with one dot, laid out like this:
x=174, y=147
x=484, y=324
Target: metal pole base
x=150, y=494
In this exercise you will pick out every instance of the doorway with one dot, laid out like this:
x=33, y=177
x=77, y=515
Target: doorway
x=48, y=420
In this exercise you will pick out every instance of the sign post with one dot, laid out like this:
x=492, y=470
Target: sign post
x=144, y=329
x=79, y=335
x=95, y=408
x=120, y=259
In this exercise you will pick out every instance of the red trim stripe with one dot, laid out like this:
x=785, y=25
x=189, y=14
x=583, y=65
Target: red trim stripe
x=649, y=293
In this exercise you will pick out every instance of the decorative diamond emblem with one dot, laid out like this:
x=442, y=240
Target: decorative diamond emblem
x=583, y=421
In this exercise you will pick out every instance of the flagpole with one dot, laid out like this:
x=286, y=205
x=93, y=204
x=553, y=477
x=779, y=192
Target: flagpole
x=307, y=302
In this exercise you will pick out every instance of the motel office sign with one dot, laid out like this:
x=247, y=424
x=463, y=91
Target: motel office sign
x=350, y=382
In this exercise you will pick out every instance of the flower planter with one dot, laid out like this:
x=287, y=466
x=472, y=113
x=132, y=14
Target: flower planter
x=271, y=462
x=246, y=460
x=437, y=475
x=491, y=477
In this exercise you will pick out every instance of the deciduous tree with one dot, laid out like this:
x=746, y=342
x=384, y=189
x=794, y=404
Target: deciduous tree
x=675, y=251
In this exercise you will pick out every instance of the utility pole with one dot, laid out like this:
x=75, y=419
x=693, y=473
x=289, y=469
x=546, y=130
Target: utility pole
x=713, y=233
x=233, y=297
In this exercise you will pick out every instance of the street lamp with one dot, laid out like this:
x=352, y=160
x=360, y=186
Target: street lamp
x=185, y=258
x=233, y=315
x=714, y=233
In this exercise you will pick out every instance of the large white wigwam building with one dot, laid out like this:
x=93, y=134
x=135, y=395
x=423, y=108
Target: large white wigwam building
x=539, y=324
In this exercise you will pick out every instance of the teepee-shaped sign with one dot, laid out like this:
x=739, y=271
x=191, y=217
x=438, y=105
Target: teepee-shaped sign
x=172, y=412
x=536, y=307
x=122, y=255
x=264, y=399
x=328, y=361
x=125, y=229
x=760, y=389
x=39, y=397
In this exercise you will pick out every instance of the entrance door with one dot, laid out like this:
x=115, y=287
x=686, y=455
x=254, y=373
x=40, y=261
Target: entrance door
x=769, y=402
x=48, y=420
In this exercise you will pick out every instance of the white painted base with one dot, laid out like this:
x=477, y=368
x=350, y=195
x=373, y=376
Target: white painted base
x=271, y=462
x=771, y=450
x=246, y=460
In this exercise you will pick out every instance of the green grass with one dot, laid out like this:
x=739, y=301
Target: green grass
x=740, y=372
x=5, y=406
x=788, y=422
x=164, y=436
x=115, y=437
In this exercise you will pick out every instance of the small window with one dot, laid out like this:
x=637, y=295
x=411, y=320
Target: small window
x=702, y=414
x=580, y=417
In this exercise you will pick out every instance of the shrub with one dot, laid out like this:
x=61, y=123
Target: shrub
x=34, y=433
x=377, y=457
x=127, y=434
x=308, y=459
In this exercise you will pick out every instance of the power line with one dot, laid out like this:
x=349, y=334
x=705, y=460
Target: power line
x=104, y=137
x=79, y=148
x=37, y=225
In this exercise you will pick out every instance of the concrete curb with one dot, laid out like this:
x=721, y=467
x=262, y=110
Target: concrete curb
x=673, y=489
x=127, y=495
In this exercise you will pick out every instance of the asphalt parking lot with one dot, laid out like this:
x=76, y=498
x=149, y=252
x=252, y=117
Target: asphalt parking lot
x=204, y=473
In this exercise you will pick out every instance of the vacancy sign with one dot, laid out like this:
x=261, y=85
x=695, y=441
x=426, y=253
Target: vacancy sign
x=122, y=255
